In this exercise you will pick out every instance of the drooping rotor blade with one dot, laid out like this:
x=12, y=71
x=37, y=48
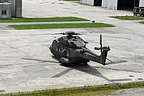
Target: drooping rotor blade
x=60, y=33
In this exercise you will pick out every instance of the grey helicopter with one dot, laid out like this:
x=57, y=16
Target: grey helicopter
x=70, y=49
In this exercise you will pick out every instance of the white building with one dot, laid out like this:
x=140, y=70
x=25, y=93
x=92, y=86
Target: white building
x=141, y=4
x=15, y=7
x=111, y=4
x=115, y=4
x=92, y=2
x=5, y=11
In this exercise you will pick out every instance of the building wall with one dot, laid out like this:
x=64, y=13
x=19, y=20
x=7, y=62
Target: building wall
x=5, y=11
x=2, y=1
x=16, y=7
x=141, y=3
x=83, y=1
x=111, y=4
x=104, y=3
x=12, y=7
x=88, y=2
x=120, y=5
x=117, y=4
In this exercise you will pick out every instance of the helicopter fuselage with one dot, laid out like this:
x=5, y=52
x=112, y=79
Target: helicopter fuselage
x=71, y=49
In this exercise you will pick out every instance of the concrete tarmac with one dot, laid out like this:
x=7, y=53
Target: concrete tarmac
x=26, y=63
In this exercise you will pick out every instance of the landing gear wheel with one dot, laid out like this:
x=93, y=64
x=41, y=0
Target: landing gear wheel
x=84, y=63
x=67, y=65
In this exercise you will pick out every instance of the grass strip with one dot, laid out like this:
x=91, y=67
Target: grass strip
x=102, y=90
x=63, y=25
x=75, y=1
x=128, y=17
x=53, y=19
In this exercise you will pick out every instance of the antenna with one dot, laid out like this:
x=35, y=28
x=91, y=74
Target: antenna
x=101, y=47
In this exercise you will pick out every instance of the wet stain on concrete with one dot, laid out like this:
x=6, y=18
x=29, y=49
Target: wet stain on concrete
x=2, y=91
x=140, y=78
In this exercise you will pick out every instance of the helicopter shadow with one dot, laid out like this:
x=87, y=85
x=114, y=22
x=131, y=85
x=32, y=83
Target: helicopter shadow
x=83, y=68
x=118, y=69
x=110, y=62
x=88, y=69
x=39, y=60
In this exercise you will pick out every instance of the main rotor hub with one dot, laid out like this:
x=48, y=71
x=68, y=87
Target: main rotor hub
x=71, y=33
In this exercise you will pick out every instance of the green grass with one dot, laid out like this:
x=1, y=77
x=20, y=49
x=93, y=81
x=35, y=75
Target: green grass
x=52, y=19
x=75, y=1
x=128, y=17
x=63, y=25
x=102, y=90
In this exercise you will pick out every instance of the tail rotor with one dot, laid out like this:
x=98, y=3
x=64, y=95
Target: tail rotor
x=104, y=51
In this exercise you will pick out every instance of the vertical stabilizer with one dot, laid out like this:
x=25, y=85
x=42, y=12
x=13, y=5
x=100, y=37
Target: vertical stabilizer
x=103, y=55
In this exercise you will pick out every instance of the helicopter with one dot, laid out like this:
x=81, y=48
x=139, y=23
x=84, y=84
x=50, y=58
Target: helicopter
x=71, y=50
